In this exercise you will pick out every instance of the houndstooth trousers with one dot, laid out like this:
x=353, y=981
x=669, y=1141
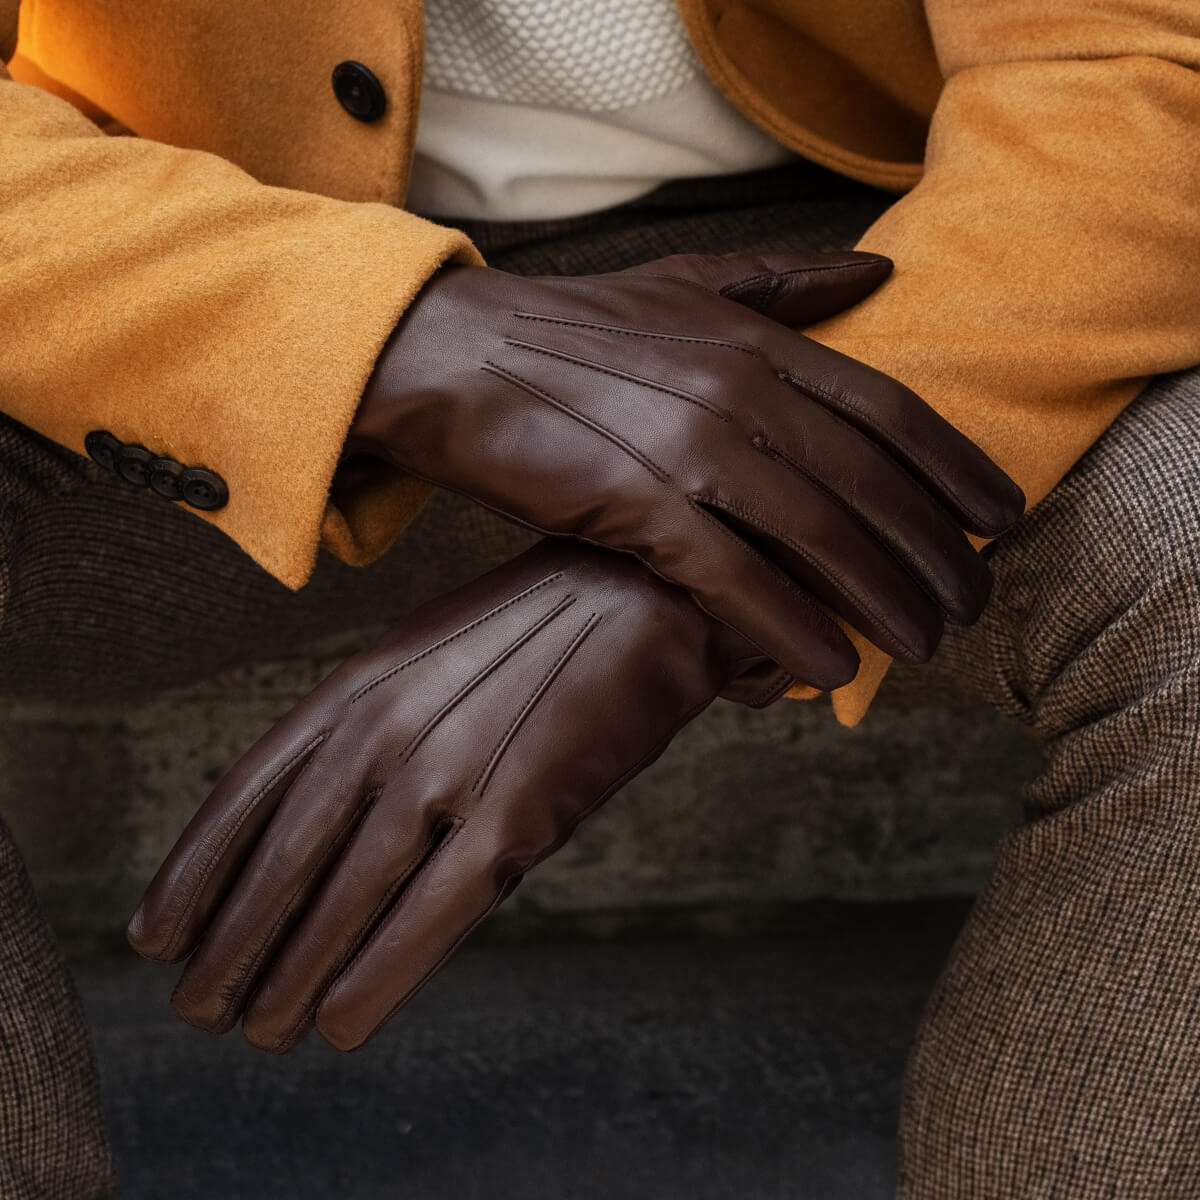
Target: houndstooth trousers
x=1059, y=1054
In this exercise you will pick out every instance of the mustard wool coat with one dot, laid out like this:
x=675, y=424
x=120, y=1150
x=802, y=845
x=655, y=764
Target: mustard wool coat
x=218, y=286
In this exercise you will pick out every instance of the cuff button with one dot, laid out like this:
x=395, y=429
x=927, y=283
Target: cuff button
x=103, y=448
x=163, y=476
x=132, y=464
x=203, y=489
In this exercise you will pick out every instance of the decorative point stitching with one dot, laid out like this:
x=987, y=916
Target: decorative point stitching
x=482, y=674
x=720, y=413
x=487, y=616
x=532, y=389
x=643, y=333
x=489, y=768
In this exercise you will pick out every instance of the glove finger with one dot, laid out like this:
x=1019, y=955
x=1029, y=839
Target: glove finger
x=400, y=832
x=312, y=824
x=897, y=511
x=833, y=557
x=457, y=886
x=320, y=812
x=982, y=498
x=467, y=743
x=208, y=855
x=739, y=585
x=793, y=288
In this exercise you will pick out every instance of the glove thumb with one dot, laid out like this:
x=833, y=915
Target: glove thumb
x=793, y=288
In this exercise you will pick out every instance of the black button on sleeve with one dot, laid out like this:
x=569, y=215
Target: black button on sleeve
x=359, y=91
x=163, y=476
x=132, y=463
x=203, y=489
x=103, y=448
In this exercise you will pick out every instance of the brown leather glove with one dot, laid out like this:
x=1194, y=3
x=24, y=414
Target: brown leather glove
x=668, y=411
x=347, y=854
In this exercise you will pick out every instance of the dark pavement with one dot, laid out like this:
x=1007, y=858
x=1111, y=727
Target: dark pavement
x=668, y=1065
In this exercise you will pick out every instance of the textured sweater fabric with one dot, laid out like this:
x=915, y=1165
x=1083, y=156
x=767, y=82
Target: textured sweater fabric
x=540, y=109
x=218, y=286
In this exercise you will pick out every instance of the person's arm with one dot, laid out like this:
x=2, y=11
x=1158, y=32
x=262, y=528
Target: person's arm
x=1049, y=261
x=165, y=296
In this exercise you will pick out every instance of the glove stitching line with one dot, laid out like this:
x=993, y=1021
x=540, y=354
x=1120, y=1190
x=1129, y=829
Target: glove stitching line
x=510, y=883
x=726, y=291
x=220, y=849
x=481, y=675
x=418, y=864
x=720, y=413
x=353, y=952
x=779, y=277
x=845, y=400
x=781, y=682
x=658, y=472
x=235, y=991
x=489, y=769
x=774, y=285
x=877, y=533
x=778, y=681
x=822, y=618
x=847, y=588
x=753, y=351
x=487, y=616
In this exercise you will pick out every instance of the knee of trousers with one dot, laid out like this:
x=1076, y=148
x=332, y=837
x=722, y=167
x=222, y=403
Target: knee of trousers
x=1097, y=598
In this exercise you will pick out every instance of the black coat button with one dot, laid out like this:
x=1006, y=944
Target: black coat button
x=203, y=489
x=359, y=91
x=103, y=448
x=163, y=477
x=132, y=463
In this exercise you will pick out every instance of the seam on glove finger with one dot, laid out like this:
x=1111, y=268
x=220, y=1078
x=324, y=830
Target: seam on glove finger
x=779, y=277
x=818, y=614
x=778, y=683
x=770, y=450
x=394, y=894
x=847, y=400
x=236, y=989
x=515, y=878
x=430, y=848
x=223, y=845
x=897, y=648
x=774, y=285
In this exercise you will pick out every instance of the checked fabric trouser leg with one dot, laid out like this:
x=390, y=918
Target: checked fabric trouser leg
x=51, y=1137
x=1059, y=1056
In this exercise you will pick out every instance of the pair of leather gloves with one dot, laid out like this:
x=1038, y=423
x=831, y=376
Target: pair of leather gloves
x=671, y=413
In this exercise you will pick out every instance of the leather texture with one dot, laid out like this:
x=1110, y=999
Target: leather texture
x=347, y=854
x=673, y=412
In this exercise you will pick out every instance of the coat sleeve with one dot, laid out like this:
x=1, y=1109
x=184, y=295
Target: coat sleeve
x=167, y=297
x=1048, y=263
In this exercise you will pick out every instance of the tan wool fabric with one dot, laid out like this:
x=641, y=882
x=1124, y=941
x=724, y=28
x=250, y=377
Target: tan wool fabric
x=205, y=288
